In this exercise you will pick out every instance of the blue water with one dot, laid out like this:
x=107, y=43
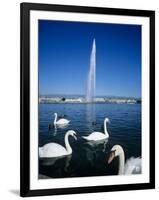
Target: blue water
x=89, y=159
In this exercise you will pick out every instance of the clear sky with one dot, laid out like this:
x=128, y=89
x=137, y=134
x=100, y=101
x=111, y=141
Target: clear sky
x=64, y=54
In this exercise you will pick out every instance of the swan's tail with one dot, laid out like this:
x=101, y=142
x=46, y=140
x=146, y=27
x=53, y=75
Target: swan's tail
x=40, y=152
x=85, y=137
x=133, y=166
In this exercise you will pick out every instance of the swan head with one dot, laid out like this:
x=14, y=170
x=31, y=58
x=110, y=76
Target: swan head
x=55, y=114
x=116, y=150
x=72, y=133
x=107, y=120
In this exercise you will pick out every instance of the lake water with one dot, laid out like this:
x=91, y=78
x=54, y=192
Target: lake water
x=89, y=158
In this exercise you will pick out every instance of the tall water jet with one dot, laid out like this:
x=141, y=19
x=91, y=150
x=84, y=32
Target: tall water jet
x=91, y=80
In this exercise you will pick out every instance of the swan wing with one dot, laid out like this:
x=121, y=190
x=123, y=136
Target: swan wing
x=62, y=121
x=61, y=125
x=133, y=166
x=52, y=150
x=95, y=136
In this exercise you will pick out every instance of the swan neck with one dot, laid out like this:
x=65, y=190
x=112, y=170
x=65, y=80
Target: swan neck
x=67, y=144
x=105, y=127
x=121, y=163
x=55, y=118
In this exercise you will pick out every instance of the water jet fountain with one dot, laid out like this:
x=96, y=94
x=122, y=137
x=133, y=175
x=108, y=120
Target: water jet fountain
x=91, y=80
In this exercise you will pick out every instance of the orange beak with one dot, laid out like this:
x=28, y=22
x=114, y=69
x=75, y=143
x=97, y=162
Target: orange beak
x=111, y=157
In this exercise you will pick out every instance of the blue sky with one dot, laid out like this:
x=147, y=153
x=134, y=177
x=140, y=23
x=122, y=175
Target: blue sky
x=64, y=54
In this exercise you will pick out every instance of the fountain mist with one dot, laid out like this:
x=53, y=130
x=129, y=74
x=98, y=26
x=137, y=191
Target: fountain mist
x=91, y=80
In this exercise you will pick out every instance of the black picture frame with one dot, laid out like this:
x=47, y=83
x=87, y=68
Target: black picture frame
x=25, y=9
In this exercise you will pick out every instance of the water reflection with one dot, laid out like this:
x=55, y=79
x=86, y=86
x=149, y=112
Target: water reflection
x=52, y=161
x=99, y=144
x=54, y=130
x=92, y=149
x=56, y=166
x=90, y=116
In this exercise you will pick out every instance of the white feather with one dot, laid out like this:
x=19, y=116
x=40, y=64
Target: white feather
x=133, y=166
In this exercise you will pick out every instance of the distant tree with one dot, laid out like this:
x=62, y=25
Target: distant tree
x=63, y=99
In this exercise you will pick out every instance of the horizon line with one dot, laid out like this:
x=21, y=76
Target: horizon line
x=119, y=96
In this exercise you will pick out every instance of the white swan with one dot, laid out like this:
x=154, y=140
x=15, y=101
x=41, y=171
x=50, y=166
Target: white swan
x=132, y=165
x=51, y=150
x=96, y=136
x=61, y=121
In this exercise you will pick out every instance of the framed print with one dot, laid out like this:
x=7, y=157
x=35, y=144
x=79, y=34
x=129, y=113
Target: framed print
x=87, y=99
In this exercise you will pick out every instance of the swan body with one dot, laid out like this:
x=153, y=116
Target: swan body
x=61, y=121
x=132, y=165
x=51, y=150
x=96, y=136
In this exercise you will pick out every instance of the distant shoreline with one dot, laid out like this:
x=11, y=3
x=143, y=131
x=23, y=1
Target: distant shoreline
x=81, y=100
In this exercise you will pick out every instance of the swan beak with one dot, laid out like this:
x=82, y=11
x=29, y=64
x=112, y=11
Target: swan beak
x=111, y=157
